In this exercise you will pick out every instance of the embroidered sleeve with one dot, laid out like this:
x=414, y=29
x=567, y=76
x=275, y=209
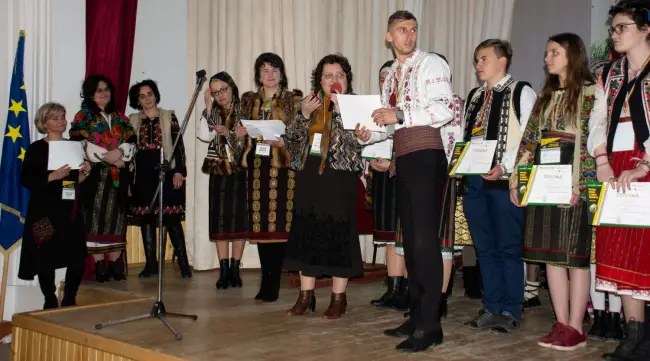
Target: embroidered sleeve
x=204, y=132
x=527, y=147
x=179, y=154
x=527, y=101
x=296, y=138
x=453, y=131
x=436, y=100
x=598, y=120
x=129, y=151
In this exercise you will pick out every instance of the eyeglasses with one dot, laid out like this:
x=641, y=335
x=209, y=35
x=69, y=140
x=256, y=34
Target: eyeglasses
x=220, y=91
x=331, y=76
x=618, y=29
x=102, y=90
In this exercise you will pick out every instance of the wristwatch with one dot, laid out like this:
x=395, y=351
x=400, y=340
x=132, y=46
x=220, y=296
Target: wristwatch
x=400, y=116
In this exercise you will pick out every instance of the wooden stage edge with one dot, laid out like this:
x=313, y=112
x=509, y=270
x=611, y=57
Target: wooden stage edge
x=36, y=339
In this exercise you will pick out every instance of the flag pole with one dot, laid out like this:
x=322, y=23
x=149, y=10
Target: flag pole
x=5, y=270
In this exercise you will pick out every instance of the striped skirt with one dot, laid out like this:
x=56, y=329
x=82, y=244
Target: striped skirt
x=623, y=254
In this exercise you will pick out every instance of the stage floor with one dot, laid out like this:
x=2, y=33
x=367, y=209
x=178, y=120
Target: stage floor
x=231, y=326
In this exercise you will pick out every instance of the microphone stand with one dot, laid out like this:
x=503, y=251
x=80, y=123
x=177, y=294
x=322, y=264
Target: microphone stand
x=158, y=310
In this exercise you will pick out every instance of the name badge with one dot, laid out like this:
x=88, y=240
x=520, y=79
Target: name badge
x=478, y=132
x=263, y=150
x=624, y=138
x=68, y=192
x=550, y=152
x=315, y=144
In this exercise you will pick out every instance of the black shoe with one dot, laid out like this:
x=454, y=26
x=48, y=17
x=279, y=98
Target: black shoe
x=532, y=302
x=406, y=329
x=625, y=349
x=402, y=301
x=420, y=341
x=613, y=326
x=483, y=319
x=472, y=282
x=407, y=314
x=224, y=268
x=386, y=300
x=233, y=278
x=598, y=329
x=642, y=351
x=149, y=243
x=177, y=237
x=101, y=272
x=116, y=270
x=507, y=324
x=51, y=302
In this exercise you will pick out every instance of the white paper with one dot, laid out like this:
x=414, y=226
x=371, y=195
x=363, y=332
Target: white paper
x=551, y=184
x=478, y=158
x=626, y=209
x=624, y=137
x=357, y=109
x=267, y=129
x=64, y=152
x=550, y=155
x=383, y=149
x=263, y=149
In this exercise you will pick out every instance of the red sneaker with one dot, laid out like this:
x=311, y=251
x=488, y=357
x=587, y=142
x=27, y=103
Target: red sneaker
x=569, y=339
x=547, y=341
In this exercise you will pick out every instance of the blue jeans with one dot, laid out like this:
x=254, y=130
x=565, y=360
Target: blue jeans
x=496, y=228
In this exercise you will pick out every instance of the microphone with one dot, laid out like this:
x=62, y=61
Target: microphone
x=336, y=88
x=200, y=73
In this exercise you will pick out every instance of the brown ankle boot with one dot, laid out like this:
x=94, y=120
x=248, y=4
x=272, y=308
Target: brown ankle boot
x=337, y=306
x=306, y=302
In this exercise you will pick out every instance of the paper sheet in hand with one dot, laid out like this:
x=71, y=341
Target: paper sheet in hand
x=357, y=109
x=607, y=207
x=64, y=152
x=545, y=185
x=382, y=150
x=267, y=129
x=476, y=158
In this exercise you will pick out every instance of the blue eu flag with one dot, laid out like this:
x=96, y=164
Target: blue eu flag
x=13, y=196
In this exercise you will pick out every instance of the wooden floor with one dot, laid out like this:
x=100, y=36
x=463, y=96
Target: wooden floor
x=231, y=326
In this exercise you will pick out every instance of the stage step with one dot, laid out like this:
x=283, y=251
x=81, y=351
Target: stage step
x=370, y=274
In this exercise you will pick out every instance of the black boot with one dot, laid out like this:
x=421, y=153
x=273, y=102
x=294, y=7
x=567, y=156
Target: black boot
x=262, y=250
x=442, y=311
x=598, y=329
x=101, y=272
x=222, y=282
x=625, y=350
x=177, y=238
x=613, y=326
x=233, y=278
x=73, y=276
x=276, y=255
x=393, y=285
x=402, y=301
x=148, y=231
x=116, y=269
x=472, y=282
x=642, y=351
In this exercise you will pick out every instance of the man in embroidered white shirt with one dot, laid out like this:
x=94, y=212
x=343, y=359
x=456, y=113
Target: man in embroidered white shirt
x=417, y=101
x=497, y=111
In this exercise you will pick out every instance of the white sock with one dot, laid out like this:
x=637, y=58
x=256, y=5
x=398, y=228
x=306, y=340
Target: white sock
x=597, y=297
x=615, y=303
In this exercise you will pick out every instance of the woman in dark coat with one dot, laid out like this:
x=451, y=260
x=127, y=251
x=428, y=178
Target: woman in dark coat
x=54, y=235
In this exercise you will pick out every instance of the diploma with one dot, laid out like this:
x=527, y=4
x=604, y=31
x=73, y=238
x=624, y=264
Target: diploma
x=545, y=185
x=62, y=152
x=357, y=109
x=607, y=207
x=383, y=149
x=472, y=158
x=267, y=129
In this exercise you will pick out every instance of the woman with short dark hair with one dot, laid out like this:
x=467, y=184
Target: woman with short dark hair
x=157, y=129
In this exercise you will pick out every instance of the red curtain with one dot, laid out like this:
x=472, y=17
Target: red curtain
x=110, y=33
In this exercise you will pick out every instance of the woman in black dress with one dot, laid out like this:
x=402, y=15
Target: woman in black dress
x=54, y=235
x=228, y=209
x=324, y=238
x=157, y=128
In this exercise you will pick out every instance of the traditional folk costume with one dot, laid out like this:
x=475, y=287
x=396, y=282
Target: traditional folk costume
x=228, y=207
x=559, y=236
x=621, y=110
x=105, y=191
x=271, y=187
x=152, y=135
x=54, y=235
x=324, y=238
x=499, y=114
x=422, y=91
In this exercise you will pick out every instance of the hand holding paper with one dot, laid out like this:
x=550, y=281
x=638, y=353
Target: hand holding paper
x=64, y=152
x=267, y=129
x=358, y=109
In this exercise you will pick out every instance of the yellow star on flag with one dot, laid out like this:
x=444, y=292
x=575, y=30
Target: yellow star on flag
x=23, y=86
x=14, y=133
x=16, y=107
x=22, y=154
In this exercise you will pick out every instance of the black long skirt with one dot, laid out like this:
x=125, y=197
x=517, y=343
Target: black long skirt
x=228, y=207
x=324, y=238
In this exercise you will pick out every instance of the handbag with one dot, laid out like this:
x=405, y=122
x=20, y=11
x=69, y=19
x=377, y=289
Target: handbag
x=42, y=230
